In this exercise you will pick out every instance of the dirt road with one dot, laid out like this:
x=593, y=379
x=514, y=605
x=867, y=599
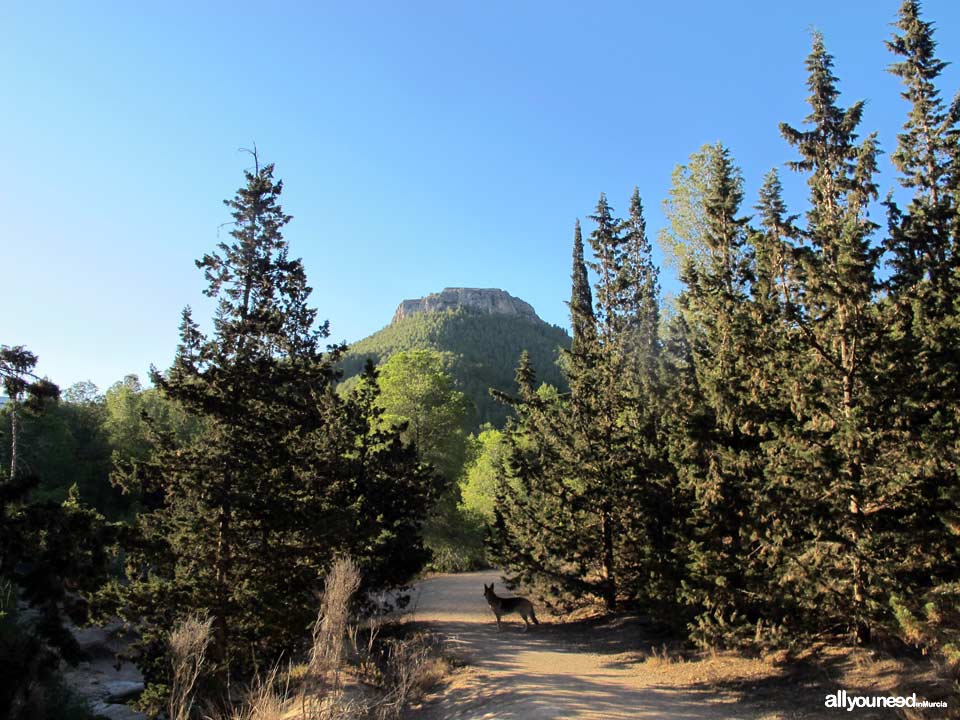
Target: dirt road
x=553, y=672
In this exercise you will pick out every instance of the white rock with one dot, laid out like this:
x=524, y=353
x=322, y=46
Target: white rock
x=120, y=690
x=117, y=712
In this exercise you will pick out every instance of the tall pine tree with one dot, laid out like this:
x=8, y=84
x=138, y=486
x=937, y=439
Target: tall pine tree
x=584, y=505
x=841, y=563
x=718, y=457
x=243, y=518
x=922, y=317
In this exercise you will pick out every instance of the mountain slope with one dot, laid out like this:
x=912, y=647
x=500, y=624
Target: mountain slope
x=486, y=345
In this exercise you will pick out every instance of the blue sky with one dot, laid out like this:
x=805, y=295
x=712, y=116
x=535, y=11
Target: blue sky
x=422, y=145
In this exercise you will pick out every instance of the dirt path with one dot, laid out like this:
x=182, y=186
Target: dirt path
x=551, y=673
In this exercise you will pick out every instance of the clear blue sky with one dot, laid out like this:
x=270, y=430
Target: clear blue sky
x=422, y=145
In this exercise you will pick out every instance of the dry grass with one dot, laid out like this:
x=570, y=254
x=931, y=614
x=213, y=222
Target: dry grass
x=188, y=649
x=387, y=674
x=413, y=666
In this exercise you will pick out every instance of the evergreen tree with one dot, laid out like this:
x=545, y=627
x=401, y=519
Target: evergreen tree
x=21, y=385
x=244, y=516
x=598, y=430
x=581, y=299
x=832, y=447
x=642, y=289
x=926, y=155
x=52, y=554
x=541, y=535
x=923, y=341
x=719, y=457
x=651, y=522
x=582, y=506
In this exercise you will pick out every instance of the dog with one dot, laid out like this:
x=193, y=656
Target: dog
x=506, y=605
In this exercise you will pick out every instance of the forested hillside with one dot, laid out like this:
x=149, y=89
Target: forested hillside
x=485, y=347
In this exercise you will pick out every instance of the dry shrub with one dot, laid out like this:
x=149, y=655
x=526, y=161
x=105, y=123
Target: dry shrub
x=319, y=695
x=405, y=669
x=271, y=698
x=332, y=625
x=263, y=700
x=413, y=666
x=188, y=649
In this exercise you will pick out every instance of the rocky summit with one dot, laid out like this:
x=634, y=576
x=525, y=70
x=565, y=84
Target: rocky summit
x=486, y=300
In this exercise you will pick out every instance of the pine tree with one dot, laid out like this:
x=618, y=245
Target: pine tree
x=584, y=503
x=245, y=516
x=719, y=457
x=923, y=343
x=833, y=447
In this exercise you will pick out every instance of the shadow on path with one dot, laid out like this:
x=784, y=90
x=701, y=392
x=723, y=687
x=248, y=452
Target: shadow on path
x=557, y=670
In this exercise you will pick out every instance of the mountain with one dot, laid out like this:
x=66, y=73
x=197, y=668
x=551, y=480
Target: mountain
x=485, y=329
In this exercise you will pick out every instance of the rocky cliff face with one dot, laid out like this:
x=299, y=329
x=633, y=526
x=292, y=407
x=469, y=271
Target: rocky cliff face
x=486, y=300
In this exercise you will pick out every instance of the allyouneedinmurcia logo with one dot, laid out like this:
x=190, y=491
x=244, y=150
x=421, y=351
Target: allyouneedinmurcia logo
x=842, y=700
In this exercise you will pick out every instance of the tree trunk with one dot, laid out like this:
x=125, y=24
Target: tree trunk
x=218, y=646
x=609, y=574
x=14, y=436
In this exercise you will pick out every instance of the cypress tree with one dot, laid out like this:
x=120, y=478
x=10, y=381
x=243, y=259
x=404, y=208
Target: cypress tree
x=544, y=533
x=581, y=299
x=642, y=290
x=584, y=499
x=920, y=242
x=650, y=522
x=779, y=517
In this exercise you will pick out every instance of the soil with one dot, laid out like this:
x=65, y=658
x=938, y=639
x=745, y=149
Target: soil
x=616, y=667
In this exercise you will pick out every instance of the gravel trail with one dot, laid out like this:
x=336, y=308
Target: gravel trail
x=553, y=672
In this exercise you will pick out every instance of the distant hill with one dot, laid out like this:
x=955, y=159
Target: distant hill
x=485, y=329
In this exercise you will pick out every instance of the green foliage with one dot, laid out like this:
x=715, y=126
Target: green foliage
x=583, y=507
x=67, y=445
x=131, y=413
x=51, y=554
x=479, y=482
x=683, y=240
x=417, y=396
x=799, y=418
x=484, y=347
x=921, y=315
x=417, y=392
x=242, y=517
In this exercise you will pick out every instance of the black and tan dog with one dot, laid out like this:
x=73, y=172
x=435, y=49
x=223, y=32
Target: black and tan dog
x=506, y=605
